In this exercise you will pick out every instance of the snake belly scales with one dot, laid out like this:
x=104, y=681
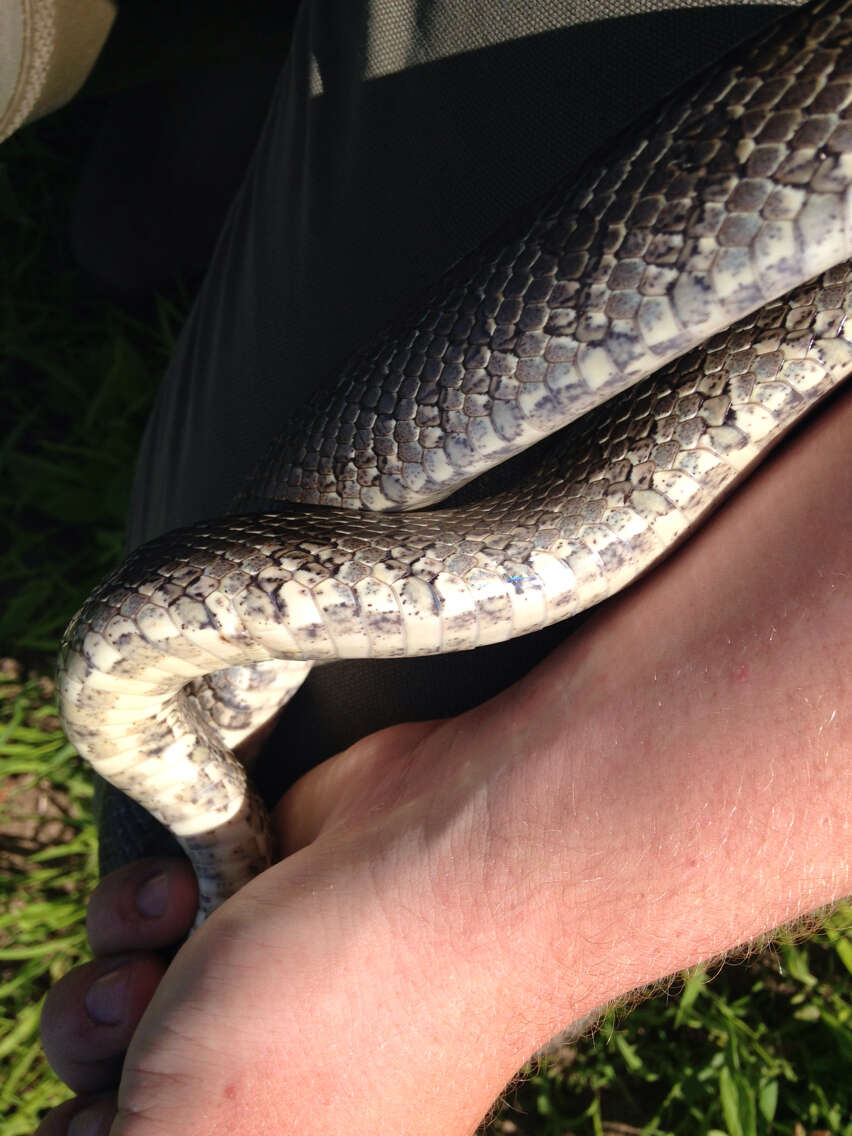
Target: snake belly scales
x=669, y=259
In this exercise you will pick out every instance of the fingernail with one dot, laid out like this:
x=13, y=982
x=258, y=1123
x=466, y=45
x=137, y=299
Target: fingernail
x=152, y=897
x=89, y=1122
x=106, y=997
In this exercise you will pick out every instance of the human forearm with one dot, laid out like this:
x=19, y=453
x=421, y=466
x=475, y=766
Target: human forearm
x=694, y=784
x=670, y=783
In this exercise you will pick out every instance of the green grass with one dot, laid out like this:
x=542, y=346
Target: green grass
x=48, y=866
x=763, y=1048
x=77, y=377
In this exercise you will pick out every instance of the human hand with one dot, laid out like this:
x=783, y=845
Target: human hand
x=382, y=896
x=671, y=782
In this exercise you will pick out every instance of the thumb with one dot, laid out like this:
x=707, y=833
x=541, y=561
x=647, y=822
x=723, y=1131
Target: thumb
x=351, y=789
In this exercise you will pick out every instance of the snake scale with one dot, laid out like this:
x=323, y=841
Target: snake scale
x=646, y=297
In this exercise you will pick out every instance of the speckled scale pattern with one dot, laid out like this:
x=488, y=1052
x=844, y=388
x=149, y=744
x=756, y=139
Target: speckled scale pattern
x=611, y=491
x=741, y=193
x=606, y=499
x=725, y=198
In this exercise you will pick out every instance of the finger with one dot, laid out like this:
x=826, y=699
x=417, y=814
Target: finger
x=96, y=1117
x=89, y=1017
x=146, y=905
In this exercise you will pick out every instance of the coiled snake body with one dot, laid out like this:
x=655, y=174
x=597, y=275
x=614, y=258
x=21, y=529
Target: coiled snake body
x=667, y=260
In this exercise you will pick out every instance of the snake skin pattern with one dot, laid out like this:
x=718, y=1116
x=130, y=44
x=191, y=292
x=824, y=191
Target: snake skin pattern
x=682, y=240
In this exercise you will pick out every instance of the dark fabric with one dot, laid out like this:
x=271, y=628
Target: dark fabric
x=400, y=133
x=162, y=171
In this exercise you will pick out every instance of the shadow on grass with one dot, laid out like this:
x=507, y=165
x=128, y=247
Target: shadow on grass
x=77, y=377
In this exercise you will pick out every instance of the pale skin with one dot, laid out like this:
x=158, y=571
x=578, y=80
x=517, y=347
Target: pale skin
x=671, y=782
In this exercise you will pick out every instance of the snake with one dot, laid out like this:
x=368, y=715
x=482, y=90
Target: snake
x=628, y=347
